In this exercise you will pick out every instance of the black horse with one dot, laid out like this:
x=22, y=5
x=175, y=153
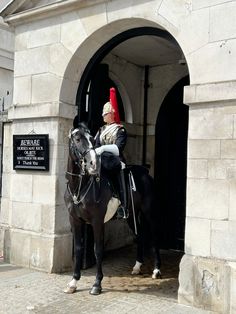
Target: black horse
x=89, y=194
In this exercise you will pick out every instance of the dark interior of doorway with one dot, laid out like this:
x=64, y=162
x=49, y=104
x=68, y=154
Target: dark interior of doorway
x=171, y=167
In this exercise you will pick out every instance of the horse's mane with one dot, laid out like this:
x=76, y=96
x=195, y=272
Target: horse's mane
x=83, y=128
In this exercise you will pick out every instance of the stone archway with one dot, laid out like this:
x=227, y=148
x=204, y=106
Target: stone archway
x=82, y=76
x=96, y=46
x=215, y=190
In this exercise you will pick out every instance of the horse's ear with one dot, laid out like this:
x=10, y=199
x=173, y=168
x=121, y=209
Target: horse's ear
x=76, y=122
x=84, y=126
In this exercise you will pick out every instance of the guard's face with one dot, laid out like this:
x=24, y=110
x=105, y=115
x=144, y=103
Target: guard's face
x=108, y=118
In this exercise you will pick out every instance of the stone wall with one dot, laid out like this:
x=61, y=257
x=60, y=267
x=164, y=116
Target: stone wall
x=208, y=283
x=6, y=65
x=6, y=90
x=210, y=219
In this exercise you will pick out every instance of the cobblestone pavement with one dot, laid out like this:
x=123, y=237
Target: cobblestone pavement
x=26, y=291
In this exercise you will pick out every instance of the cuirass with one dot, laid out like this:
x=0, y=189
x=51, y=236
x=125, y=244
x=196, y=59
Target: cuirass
x=109, y=134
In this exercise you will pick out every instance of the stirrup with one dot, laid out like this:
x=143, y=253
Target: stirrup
x=122, y=213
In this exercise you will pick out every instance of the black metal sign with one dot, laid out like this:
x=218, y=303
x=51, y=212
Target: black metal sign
x=31, y=152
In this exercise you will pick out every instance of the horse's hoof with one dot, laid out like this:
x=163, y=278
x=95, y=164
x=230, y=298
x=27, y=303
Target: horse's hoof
x=156, y=274
x=95, y=290
x=135, y=272
x=70, y=290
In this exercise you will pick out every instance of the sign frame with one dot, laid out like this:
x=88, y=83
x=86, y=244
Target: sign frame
x=31, y=152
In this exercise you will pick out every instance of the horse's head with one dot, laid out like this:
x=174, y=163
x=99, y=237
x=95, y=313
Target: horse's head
x=82, y=150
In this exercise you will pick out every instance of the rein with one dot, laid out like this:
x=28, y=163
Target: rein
x=82, y=155
x=73, y=174
x=76, y=196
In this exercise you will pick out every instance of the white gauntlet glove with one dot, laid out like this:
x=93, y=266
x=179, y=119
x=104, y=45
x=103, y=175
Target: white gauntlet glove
x=99, y=150
x=111, y=148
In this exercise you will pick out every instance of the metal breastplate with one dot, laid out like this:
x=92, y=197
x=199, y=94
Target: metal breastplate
x=109, y=134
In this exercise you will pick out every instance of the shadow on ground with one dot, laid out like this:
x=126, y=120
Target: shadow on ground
x=117, y=267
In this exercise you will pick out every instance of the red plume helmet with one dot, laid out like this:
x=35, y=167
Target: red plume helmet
x=114, y=104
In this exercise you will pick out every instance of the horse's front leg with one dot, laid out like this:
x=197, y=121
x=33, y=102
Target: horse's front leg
x=98, y=230
x=77, y=254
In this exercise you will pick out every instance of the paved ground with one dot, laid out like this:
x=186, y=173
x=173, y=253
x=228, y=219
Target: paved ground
x=25, y=291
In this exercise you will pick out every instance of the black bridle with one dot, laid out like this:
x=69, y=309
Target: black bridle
x=80, y=161
x=76, y=151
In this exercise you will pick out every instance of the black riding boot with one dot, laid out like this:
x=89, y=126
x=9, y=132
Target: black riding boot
x=122, y=211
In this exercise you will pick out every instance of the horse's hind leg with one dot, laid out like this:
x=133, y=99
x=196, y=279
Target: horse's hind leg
x=157, y=272
x=77, y=238
x=98, y=230
x=139, y=258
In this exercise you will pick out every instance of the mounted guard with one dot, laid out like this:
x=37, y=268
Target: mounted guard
x=110, y=142
x=87, y=197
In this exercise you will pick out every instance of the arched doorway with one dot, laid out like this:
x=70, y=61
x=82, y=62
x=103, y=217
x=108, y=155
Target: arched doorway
x=93, y=90
x=171, y=166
